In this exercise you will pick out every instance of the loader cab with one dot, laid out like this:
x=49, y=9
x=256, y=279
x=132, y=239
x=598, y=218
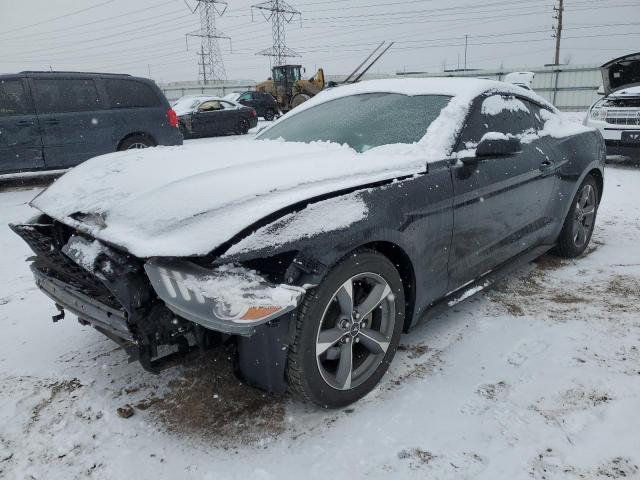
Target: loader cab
x=287, y=74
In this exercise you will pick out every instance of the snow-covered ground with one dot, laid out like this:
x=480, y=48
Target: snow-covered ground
x=538, y=378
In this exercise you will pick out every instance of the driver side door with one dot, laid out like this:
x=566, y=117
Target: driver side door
x=208, y=119
x=501, y=203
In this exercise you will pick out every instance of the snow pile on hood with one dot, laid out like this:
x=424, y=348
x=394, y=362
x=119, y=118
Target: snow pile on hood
x=187, y=200
x=325, y=216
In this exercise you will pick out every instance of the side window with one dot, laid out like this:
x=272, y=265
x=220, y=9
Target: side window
x=12, y=98
x=245, y=96
x=130, y=94
x=66, y=95
x=499, y=113
x=228, y=106
x=210, y=106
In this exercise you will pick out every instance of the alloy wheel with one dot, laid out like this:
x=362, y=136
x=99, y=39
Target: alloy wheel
x=584, y=215
x=136, y=145
x=355, y=331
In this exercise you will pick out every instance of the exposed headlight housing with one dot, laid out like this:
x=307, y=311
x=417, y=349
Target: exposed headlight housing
x=230, y=298
x=598, y=114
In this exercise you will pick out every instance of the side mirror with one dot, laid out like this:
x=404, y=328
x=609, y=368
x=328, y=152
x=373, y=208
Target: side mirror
x=492, y=146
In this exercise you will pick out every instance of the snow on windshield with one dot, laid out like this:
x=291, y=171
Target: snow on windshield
x=496, y=104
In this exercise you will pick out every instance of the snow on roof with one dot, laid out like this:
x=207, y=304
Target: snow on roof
x=465, y=88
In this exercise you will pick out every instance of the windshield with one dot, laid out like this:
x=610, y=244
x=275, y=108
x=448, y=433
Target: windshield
x=362, y=121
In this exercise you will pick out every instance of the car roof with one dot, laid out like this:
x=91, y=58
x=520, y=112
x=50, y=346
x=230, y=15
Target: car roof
x=465, y=89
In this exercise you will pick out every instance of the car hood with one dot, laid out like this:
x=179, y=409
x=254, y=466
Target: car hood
x=621, y=73
x=188, y=200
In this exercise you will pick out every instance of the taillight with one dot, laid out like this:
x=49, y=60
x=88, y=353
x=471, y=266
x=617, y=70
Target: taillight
x=173, y=118
x=254, y=113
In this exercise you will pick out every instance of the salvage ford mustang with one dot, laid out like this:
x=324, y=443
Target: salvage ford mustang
x=313, y=246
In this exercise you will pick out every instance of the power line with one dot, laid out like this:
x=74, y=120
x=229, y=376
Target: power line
x=53, y=19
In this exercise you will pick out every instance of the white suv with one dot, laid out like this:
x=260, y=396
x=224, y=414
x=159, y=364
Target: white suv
x=617, y=114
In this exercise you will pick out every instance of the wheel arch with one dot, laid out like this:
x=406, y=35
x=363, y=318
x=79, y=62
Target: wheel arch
x=136, y=134
x=597, y=175
x=403, y=264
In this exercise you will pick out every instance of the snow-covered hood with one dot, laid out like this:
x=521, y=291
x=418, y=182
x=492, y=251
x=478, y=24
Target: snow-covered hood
x=621, y=73
x=187, y=200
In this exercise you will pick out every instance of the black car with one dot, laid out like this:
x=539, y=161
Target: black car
x=264, y=104
x=212, y=116
x=53, y=120
x=313, y=246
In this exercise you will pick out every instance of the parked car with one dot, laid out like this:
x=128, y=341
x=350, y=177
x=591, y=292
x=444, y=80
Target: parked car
x=617, y=114
x=264, y=104
x=56, y=120
x=206, y=116
x=316, y=244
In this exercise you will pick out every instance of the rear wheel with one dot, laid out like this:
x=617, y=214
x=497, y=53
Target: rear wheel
x=578, y=226
x=348, y=331
x=135, y=142
x=269, y=115
x=243, y=127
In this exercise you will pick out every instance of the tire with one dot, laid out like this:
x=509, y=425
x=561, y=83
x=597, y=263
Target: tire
x=136, y=141
x=578, y=226
x=269, y=115
x=299, y=100
x=333, y=362
x=243, y=127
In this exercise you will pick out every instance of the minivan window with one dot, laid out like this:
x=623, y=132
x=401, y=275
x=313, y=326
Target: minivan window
x=12, y=98
x=130, y=93
x=66, y=95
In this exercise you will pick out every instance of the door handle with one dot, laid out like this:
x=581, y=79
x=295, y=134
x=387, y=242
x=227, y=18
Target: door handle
x=25, y=123
x=52, y=121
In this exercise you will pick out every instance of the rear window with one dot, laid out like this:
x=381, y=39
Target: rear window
x=130, y=93
x=12, y=98
x=66, y=95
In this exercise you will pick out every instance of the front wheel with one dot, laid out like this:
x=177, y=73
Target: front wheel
x=578, y=226
x=348, y=331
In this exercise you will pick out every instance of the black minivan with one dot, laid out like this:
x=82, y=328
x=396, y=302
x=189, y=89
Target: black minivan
x=56, y=120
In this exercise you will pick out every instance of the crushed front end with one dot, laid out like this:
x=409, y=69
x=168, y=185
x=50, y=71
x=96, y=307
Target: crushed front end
x=161, y=309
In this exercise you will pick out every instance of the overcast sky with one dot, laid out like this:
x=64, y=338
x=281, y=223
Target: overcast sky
x=149, y=35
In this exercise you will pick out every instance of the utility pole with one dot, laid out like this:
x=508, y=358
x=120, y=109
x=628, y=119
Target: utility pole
x=210, y=65
x=279, y=13
x=558, y=29
x=466, y=44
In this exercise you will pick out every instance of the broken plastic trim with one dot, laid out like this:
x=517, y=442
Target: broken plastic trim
x=186, y=290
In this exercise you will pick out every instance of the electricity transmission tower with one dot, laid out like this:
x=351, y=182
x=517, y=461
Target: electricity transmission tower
x=279, y=13
x=558, y=30
x=210, y=64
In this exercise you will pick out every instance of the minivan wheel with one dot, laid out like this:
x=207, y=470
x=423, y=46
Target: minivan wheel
x=348, y=329
x=135, y=142
x=578, y=226
x=269, y=115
